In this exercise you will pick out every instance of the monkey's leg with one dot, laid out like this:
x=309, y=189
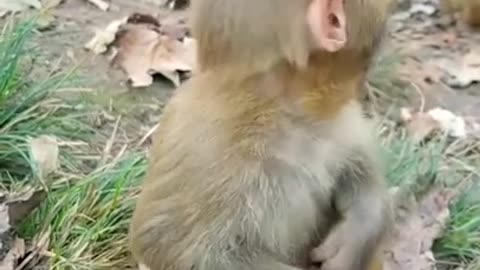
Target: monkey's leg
x=361, y=199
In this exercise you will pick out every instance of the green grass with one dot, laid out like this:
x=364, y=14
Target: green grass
x=462, y=239
x=85, y=216
x=88, y=221
x=29, y=109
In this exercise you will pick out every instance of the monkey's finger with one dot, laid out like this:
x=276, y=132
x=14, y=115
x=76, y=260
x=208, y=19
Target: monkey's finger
x=329, y=248
x=338, y=262
x=323, y=253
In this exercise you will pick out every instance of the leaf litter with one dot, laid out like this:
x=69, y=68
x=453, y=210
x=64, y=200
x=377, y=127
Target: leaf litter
x=141, y=48
x=418, y=223
x=420, y=125
x=7, y=6
x=14, y=208
x=44, y=153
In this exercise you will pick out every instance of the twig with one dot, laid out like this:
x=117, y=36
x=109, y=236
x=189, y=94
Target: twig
x=147, y=135
x=109, y=144
x=422, y=96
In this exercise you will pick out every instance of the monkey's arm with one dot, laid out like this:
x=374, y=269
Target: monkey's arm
x=361, y=199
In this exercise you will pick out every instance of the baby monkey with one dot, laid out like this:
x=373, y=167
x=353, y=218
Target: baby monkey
x=264, y=160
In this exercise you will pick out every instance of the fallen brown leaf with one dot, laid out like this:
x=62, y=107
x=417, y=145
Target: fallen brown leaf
x=143, y=51
x=18, y=5
x=102, y=5
x=20, y=205
x=16, y=251
x=13, y=248
x=416, y=229
x=137, y=18
x=465, y=71
x=48, y=4
x=4, y=218
x=44, y=152
x=39, y=247
x=45, y=20
x=143, y=47
x=103, y=38
x=419, y=125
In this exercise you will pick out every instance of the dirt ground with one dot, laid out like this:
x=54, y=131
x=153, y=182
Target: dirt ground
x=61, y=46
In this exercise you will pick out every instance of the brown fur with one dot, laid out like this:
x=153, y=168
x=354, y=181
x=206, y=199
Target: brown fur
x=254, y=150
x=469, y=10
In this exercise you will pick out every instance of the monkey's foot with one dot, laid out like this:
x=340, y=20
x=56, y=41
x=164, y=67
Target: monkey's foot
x=335, y=253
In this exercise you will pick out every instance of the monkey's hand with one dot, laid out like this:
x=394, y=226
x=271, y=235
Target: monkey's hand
x=337, y=251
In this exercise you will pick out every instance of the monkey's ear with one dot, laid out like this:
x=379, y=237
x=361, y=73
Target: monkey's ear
x=327, y=22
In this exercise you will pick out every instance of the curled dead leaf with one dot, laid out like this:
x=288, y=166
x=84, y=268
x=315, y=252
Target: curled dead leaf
x=19, y=5
x=142, y=47
x=20, y=205
x=143, y=267
x=463, y=72
x=103, y=38
x=4, y=218
x=102, y=5
x=16, y=251
x=51, y=3
x=421, y=125
x=449, y=122
x=44, y=153
x=413, y=234
x=143, y=51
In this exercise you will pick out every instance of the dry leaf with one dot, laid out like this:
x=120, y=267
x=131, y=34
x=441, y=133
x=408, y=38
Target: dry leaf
x=419, y=125
x=102, y=5
x=44, y=152
x=411, y=243
x=40, y=246
x=143, y=267
x=18, y=5
x=464, y=72
x=17, y=251
x=156, y=2
x=4, y=218
x=20, y=205
x=424, y=8
x=48, y=4
x=45, y=20
x=103, y=38
x=143, y=51
x=450, y=123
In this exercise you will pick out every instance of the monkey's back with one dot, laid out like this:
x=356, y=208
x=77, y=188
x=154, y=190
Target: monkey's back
x=220, y=188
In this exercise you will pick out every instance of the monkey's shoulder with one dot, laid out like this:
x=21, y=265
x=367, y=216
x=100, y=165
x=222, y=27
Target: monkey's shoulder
x=216, y=115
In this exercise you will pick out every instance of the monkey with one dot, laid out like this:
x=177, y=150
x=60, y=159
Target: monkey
x=468, y=10
x=263, y=159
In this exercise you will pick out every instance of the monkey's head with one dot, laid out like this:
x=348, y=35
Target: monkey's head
x=250, y=32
